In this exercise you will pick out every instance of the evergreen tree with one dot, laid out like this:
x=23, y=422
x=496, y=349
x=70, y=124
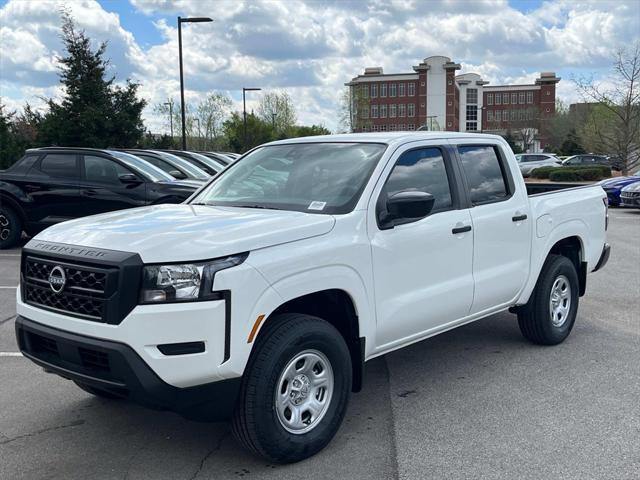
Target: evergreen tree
x=94, y=112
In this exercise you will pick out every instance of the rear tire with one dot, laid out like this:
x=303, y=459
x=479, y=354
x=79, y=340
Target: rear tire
x=548, y=317
x=295, y=389
x=97, y=391
x=10, y=227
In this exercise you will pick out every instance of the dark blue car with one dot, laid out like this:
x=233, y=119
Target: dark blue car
x=612, y=187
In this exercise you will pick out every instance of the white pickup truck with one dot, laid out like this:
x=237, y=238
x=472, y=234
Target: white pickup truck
x=262, y=296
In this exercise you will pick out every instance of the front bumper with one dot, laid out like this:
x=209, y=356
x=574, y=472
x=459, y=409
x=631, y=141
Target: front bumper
x=630, y=201
x=117, y=368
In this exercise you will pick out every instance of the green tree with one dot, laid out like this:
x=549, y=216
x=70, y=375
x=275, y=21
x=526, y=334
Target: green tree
x=258, y=132
x=94, y=111
x=278, y=110
x=308, y=131
x=354, y=109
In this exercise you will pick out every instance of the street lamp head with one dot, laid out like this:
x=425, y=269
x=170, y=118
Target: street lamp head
x=194, y=19
x=250, y=89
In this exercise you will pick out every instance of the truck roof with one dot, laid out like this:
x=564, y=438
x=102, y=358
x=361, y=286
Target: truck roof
x=385, y=137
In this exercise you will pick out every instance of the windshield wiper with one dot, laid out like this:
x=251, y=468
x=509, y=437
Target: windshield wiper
x=253, y=205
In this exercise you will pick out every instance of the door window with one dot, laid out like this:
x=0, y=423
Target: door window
x=60, y=165
x=103, y=170
x=421, y=170
x=484, y=172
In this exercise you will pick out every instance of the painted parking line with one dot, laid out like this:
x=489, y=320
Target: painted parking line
x=6, y=286
x=10, y=354
x=10, y=254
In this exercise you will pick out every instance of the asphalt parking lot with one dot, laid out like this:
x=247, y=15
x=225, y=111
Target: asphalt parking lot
x=477, y=402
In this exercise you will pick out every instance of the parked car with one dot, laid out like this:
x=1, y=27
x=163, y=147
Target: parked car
x=201, y=161
x=613, y=187
x=630, y=195
x=586, y=159
x=51, y=185
x=528, y=162
x=264, y=294
x=175, y=166
x=218, y=157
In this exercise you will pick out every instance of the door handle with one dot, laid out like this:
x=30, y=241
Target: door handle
x=458, y=230
x=519, y=218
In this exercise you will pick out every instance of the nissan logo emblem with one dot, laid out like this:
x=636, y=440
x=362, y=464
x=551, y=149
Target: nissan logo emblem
x=57, y=279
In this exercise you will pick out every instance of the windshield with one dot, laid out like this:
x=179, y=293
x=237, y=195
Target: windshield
x=305, y=177
x=217, y=166
x=184, y=165
x=152, y=172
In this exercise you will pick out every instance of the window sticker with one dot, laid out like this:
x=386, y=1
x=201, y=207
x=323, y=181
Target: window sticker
x=316, y=205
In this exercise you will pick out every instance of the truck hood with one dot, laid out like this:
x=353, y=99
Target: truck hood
x=179, y=233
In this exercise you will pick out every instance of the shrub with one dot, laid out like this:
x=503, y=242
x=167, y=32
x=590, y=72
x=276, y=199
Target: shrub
x=576, y=174
x=542, y=172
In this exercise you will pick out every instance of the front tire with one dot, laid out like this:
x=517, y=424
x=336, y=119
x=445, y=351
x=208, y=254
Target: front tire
x=548, y=317
x=295, y=390
x=10, y=227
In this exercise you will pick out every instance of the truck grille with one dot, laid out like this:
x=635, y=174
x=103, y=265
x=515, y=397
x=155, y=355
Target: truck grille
x=84, y=294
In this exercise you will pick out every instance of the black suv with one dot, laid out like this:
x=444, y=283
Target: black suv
x=54, y=184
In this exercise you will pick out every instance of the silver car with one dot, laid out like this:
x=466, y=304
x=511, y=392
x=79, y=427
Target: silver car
x=530, y=161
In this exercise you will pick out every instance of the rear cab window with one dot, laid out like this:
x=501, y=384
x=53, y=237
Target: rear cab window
x=485, y=172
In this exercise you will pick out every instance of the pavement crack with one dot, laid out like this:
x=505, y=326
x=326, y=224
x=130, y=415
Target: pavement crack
x=5, y=320
x=215, y=448
x=75, y=423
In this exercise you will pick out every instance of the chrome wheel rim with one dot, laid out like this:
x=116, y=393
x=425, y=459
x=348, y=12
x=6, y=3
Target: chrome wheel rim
x=560, y=301
x=304, y=391
x=5, y=227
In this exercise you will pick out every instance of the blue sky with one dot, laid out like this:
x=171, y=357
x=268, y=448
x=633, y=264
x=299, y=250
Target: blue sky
x=310, y=48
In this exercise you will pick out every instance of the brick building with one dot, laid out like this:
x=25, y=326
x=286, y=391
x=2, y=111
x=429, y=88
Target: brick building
x=435, y=98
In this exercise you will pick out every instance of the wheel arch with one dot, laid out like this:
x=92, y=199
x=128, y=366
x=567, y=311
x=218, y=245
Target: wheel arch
x=15, y=205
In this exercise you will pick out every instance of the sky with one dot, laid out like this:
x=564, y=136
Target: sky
x=310, y=48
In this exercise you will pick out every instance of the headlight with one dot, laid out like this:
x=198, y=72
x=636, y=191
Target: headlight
x=184, y=282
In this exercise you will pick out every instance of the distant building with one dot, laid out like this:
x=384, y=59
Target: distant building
x=435, y=98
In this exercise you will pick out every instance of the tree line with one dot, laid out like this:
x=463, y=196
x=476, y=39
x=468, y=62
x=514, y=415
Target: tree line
x=95, y=111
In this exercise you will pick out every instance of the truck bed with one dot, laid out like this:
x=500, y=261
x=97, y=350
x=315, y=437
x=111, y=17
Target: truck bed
x=537, y=188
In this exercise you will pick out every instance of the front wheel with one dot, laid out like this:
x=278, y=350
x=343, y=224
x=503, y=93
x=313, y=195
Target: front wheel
x=10, y=227
x=295, y=389
x=548, y=317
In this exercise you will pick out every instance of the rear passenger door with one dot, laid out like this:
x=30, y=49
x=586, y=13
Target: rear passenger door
x=102, y=189
x=421, y=269
x=52, y=186
x=501, y=224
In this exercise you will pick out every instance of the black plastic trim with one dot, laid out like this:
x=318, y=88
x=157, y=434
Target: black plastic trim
x=128, y=374
x=604, y=257
x=184, y=348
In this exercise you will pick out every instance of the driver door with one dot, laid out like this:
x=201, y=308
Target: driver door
x=422, y=269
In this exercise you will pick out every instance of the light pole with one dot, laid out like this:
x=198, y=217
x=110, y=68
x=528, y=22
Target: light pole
x=273, y=121
x=198, y=120
x=170, y=105
x=244, y=112
x=180, y=22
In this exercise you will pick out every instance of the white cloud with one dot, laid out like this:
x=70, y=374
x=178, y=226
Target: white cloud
x=312, y=48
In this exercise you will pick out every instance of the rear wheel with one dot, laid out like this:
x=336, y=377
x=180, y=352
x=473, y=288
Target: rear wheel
x=10, y=227
x=548, y=317
x=295, y=389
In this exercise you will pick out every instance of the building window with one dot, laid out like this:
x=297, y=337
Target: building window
x=365, y=111
x=472, y=126
x=383, y=128
x=505, y=98
x=490, y=116
x=472, y=113
x=401, y=127
x=513, y=115
x=374, y=90
x=411, y=110
x=521, y=97
x=505, y=115
x=401, y=89
x=529, y=97
x=498, y=99
x=521, y=115
x=411, y=126
x=514, y=98
x=401, y=110
x=383, y=90
x=490, y=99
x=529, y=115
x=392, y=89
x=411, y=89
x=498, y=115
x=383, y=111
x=548, y=92
x=392, y=110
x=365, y=90
x=374, y=111
x=472, y=96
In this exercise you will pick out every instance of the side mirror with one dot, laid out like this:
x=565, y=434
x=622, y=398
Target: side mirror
x=129, y=178
x=407, y=206
x=177, y=174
